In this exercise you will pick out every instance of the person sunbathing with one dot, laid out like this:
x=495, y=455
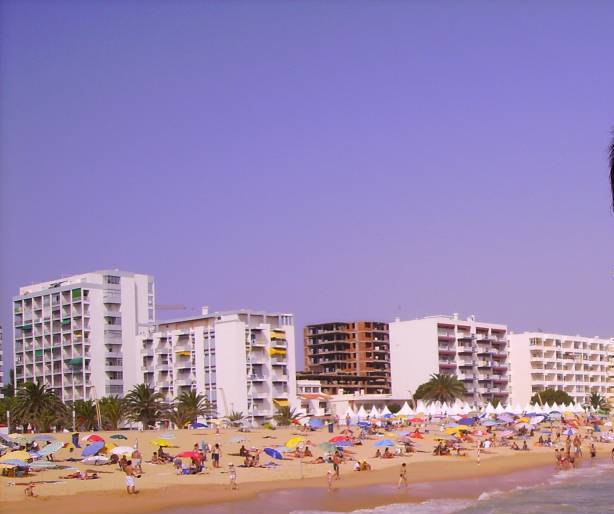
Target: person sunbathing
x=365, y=466
x=308, y=452
x=317, y=460
x=387, y=454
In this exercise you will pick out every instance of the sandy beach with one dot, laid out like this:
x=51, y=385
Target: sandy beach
x=161, y=489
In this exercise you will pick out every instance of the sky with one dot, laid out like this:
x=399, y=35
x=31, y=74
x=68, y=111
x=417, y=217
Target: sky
x=333, y=159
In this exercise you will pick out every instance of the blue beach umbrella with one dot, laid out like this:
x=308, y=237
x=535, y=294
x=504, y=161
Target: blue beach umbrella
x=43, y=437
x=199, y=425
x=271, y=452
x=343, y=444
x=92, y=449
x=364, y=424
x=316, y=423
x=16, y=462
x=384, y=442
x=51, y=448
x=466, y=421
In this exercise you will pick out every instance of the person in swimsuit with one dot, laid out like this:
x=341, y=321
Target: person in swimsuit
x=403, y=476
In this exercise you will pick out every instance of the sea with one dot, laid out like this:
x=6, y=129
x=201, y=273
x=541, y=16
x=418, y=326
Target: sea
x=588, y=490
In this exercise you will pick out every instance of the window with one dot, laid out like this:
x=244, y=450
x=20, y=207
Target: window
x=111, y=279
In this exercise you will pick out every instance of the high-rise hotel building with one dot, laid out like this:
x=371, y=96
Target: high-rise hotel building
x=242, y=361
x=348, y=356
x=78, y=334
x=574, y=364
x=476, y=353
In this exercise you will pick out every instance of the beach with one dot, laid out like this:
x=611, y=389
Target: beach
x=163, y=490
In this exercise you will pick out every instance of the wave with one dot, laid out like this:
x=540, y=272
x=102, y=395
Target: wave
x=428, y=507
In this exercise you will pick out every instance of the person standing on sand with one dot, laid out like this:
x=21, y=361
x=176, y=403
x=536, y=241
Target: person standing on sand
x=232, y=476
x=336, y=462
x=215, y=455
x=403, y=476
x=129, y=470
x=329, y=479
x=478, y=454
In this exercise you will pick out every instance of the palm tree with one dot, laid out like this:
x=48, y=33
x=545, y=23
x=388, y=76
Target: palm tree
x=179, y=416
x=285, y=415
x=85, y=414
x=235, y=418
x=194, y=405
x=443, y=388
x=112, y=411
x=598, y=402
x=38, y=405
x=144, y=405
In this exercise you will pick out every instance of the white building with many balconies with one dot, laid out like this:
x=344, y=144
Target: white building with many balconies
x=477, y=353
x=574, y=364
x=78, y=334
x=242, y=361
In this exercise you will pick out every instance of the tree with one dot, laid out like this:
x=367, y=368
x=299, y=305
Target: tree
x=235, y=418
x=7, y=404
x=179, y=415
x=194, y=405
x=442, y=388
x=394, y=408
x=598, y=402
x=85, y=414
x=420, y=392
x=112, y=412
x=144, y=405
x=38, y=405
x=551, y=396
x=286, y=416
x=8, y=390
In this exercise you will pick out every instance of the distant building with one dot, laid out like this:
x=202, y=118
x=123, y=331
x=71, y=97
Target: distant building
x=476, y=353
x=348, y=357
x=1, y=360
x=78, y=334
x=242, y=361
x=574, y=364
x=311, y=400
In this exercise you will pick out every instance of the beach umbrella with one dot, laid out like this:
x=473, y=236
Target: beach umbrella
x=198, y=425
x=466, y=421
x=42, y=464
x=490, y=423
x=92, y=438
x=416, y=420
x=327, y=447
x=384, y=442
x=189, y=455
x=16, y=455
x=4, y=465
x=416, y=435
x=271, y=452
x=535, y=420
x=170, y=435
x=44, y=438
x=20, y=438
x=162, y=443
x=294, y=442
x=363, y=424
x=96, y=459
x=456, y=430
x=338, y=438
x=92, y=449
x=122, y=450
x=569, y=431
x=238, y=439
x=344, y=444
x=316, y=423
x=119, y=436
x=51, y=448
x=506, y=417
x=18, y=463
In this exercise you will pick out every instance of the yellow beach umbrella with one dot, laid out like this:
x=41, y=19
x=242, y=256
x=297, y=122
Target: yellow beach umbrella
x=295, y=441
x=6, y=466
x=17, y=455
x=456, y=430
x=161, y=442
x=523, y=420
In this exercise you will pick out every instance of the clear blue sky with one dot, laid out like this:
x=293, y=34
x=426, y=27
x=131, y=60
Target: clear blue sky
x=337, y=160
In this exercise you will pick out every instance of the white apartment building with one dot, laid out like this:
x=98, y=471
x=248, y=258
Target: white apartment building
x=242, y=361
x=577, y=365
x=476, y=352
x=78, y=334
x=1, y=359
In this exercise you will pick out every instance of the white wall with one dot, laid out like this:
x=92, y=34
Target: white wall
x=520, y=362
x=230, y=364
x=413, y=354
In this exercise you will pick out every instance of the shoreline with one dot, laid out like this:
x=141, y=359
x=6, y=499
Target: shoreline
x=185, y=496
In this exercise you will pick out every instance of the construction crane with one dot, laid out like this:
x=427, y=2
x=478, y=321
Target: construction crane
x=171, y=307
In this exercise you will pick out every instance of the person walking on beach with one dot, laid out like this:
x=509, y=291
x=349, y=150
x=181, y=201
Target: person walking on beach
x=329, y=479
x=403, y=476
x=129, y=470
x=336, y=462
x=478, y=454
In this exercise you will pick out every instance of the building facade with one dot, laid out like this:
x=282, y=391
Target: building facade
x=574, y=364
x=1, y=359
x=348, y=356
x=242, y=361
x=476, y=353
x=78, y=334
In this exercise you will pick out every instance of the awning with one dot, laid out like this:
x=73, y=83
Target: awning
x=183, y=353
x=277, y=351
x=281, y=402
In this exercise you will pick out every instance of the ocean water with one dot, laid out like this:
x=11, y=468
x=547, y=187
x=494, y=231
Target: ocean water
x=587, y=490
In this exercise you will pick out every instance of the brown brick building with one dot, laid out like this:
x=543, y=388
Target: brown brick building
x=353, y=356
